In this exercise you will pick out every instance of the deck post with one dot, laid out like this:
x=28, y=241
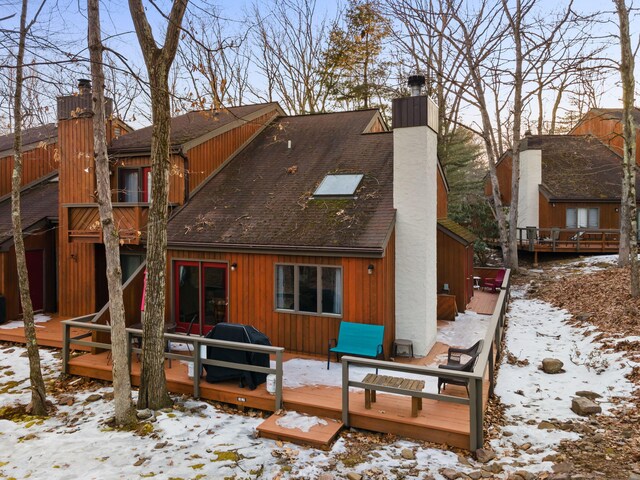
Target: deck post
x=65, y=348
x=197, y=368
x=345, y=392
x=279, y=374
x=475, y=414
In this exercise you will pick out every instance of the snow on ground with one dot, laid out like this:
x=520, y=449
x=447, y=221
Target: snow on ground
x=590, y=264
x=538, y=330
x=39, y=318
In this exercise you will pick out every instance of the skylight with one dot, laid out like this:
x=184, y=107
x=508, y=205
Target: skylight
x=338, y=185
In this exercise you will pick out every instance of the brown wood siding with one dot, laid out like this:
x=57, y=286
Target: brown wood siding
x=377, y=127
x=366, y=298
x=37, y=163
x=42, y=240
x=76, y=261
x=442, y=197
x=176, y=175
x=205, y=158
x=608, y=130
x=503, y=170
x=454, y=268
x=554, y=214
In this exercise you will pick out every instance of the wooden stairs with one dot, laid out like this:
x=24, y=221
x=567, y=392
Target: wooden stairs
x=321, y=435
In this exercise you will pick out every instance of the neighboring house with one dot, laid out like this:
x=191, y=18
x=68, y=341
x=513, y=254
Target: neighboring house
x=606, y=124
x=291, y=224
x=39, y=155
x=569, y=195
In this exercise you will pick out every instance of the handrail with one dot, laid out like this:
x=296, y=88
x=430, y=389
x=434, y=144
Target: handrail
x=491, y=343
x=195, y=341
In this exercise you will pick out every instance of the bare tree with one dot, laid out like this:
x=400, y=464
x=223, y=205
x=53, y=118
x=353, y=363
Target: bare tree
x=153, y=386
x=213, y=64
x=290, y=45
x=38, y=404
x=628, y=254
x=124, y=412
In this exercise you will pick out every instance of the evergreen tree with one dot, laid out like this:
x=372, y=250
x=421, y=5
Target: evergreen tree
x=355, y=57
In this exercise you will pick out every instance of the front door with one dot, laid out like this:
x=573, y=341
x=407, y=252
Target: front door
x=35, y=269
x=200, y=295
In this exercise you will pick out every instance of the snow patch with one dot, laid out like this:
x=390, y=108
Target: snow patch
x=295, y=420
x=39, y=318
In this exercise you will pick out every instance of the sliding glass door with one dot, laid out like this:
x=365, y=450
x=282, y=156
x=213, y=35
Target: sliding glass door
x=201, y=295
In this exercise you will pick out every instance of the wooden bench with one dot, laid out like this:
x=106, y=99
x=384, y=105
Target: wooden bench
x=359, y=339
x=395, y=382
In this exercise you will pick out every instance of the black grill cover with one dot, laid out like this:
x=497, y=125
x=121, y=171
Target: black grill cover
x=235, y=332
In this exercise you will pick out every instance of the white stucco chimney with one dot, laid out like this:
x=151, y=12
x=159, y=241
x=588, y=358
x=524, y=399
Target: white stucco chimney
x=530, y=180
x=415, y=164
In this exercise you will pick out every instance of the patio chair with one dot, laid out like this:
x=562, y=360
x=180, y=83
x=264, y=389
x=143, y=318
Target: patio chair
x=454, y=362
x=493, y=284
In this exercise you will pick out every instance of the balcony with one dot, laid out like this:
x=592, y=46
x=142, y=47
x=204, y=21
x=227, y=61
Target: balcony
x=83, y=222
x=569, y=240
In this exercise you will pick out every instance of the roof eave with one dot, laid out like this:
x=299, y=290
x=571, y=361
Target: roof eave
x=280, y=249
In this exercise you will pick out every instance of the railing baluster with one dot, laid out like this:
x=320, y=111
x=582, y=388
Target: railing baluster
x=65, y=348
x=197, y=368
x=279, y=375
x=345, y=391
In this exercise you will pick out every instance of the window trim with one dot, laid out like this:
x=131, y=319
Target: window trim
x=296, y=290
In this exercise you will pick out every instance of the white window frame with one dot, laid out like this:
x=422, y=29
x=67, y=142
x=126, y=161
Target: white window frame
x=296, y=289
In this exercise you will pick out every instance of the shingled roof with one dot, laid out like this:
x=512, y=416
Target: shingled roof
x=578, y=168
x=456, y=230
x=43, y=133
x=184, y=128
x=38, y=202
x=262, y=198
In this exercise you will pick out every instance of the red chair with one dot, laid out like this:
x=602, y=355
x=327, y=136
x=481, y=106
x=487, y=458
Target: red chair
x=493, y=284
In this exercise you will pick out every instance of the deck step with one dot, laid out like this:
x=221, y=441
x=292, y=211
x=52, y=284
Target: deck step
x=317, y=432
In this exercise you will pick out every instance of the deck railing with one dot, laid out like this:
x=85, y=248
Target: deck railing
x=490, y=353
x=195, y=357
x=568, y=239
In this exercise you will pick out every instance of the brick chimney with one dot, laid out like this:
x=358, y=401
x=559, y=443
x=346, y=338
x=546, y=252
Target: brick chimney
x=415, y=177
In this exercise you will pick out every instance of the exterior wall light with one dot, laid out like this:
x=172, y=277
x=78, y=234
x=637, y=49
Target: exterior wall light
x=370, y=269
x=234, y=265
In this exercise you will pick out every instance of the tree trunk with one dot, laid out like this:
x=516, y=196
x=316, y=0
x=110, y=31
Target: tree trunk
x=630, y=219
x=515, y=22
x=153, y=385
x=124, y=412
x=38, y=404
x=153, y=392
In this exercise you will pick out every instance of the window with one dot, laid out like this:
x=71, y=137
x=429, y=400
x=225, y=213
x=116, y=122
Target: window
x=343, y=185
x=134, y=185
x=583, y=217
x=309, y=289
x=129, y=263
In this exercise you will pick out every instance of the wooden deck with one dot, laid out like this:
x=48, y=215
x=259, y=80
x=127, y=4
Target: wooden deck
x=438, y=421
x=49, y=334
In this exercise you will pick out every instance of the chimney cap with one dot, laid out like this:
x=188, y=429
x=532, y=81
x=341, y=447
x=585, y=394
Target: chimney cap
x=84, y=83
x=416, y=81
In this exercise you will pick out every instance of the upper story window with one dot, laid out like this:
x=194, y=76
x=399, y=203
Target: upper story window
x=338, y=185
x=310, y=289
x=134, y=185
x=583, y=218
